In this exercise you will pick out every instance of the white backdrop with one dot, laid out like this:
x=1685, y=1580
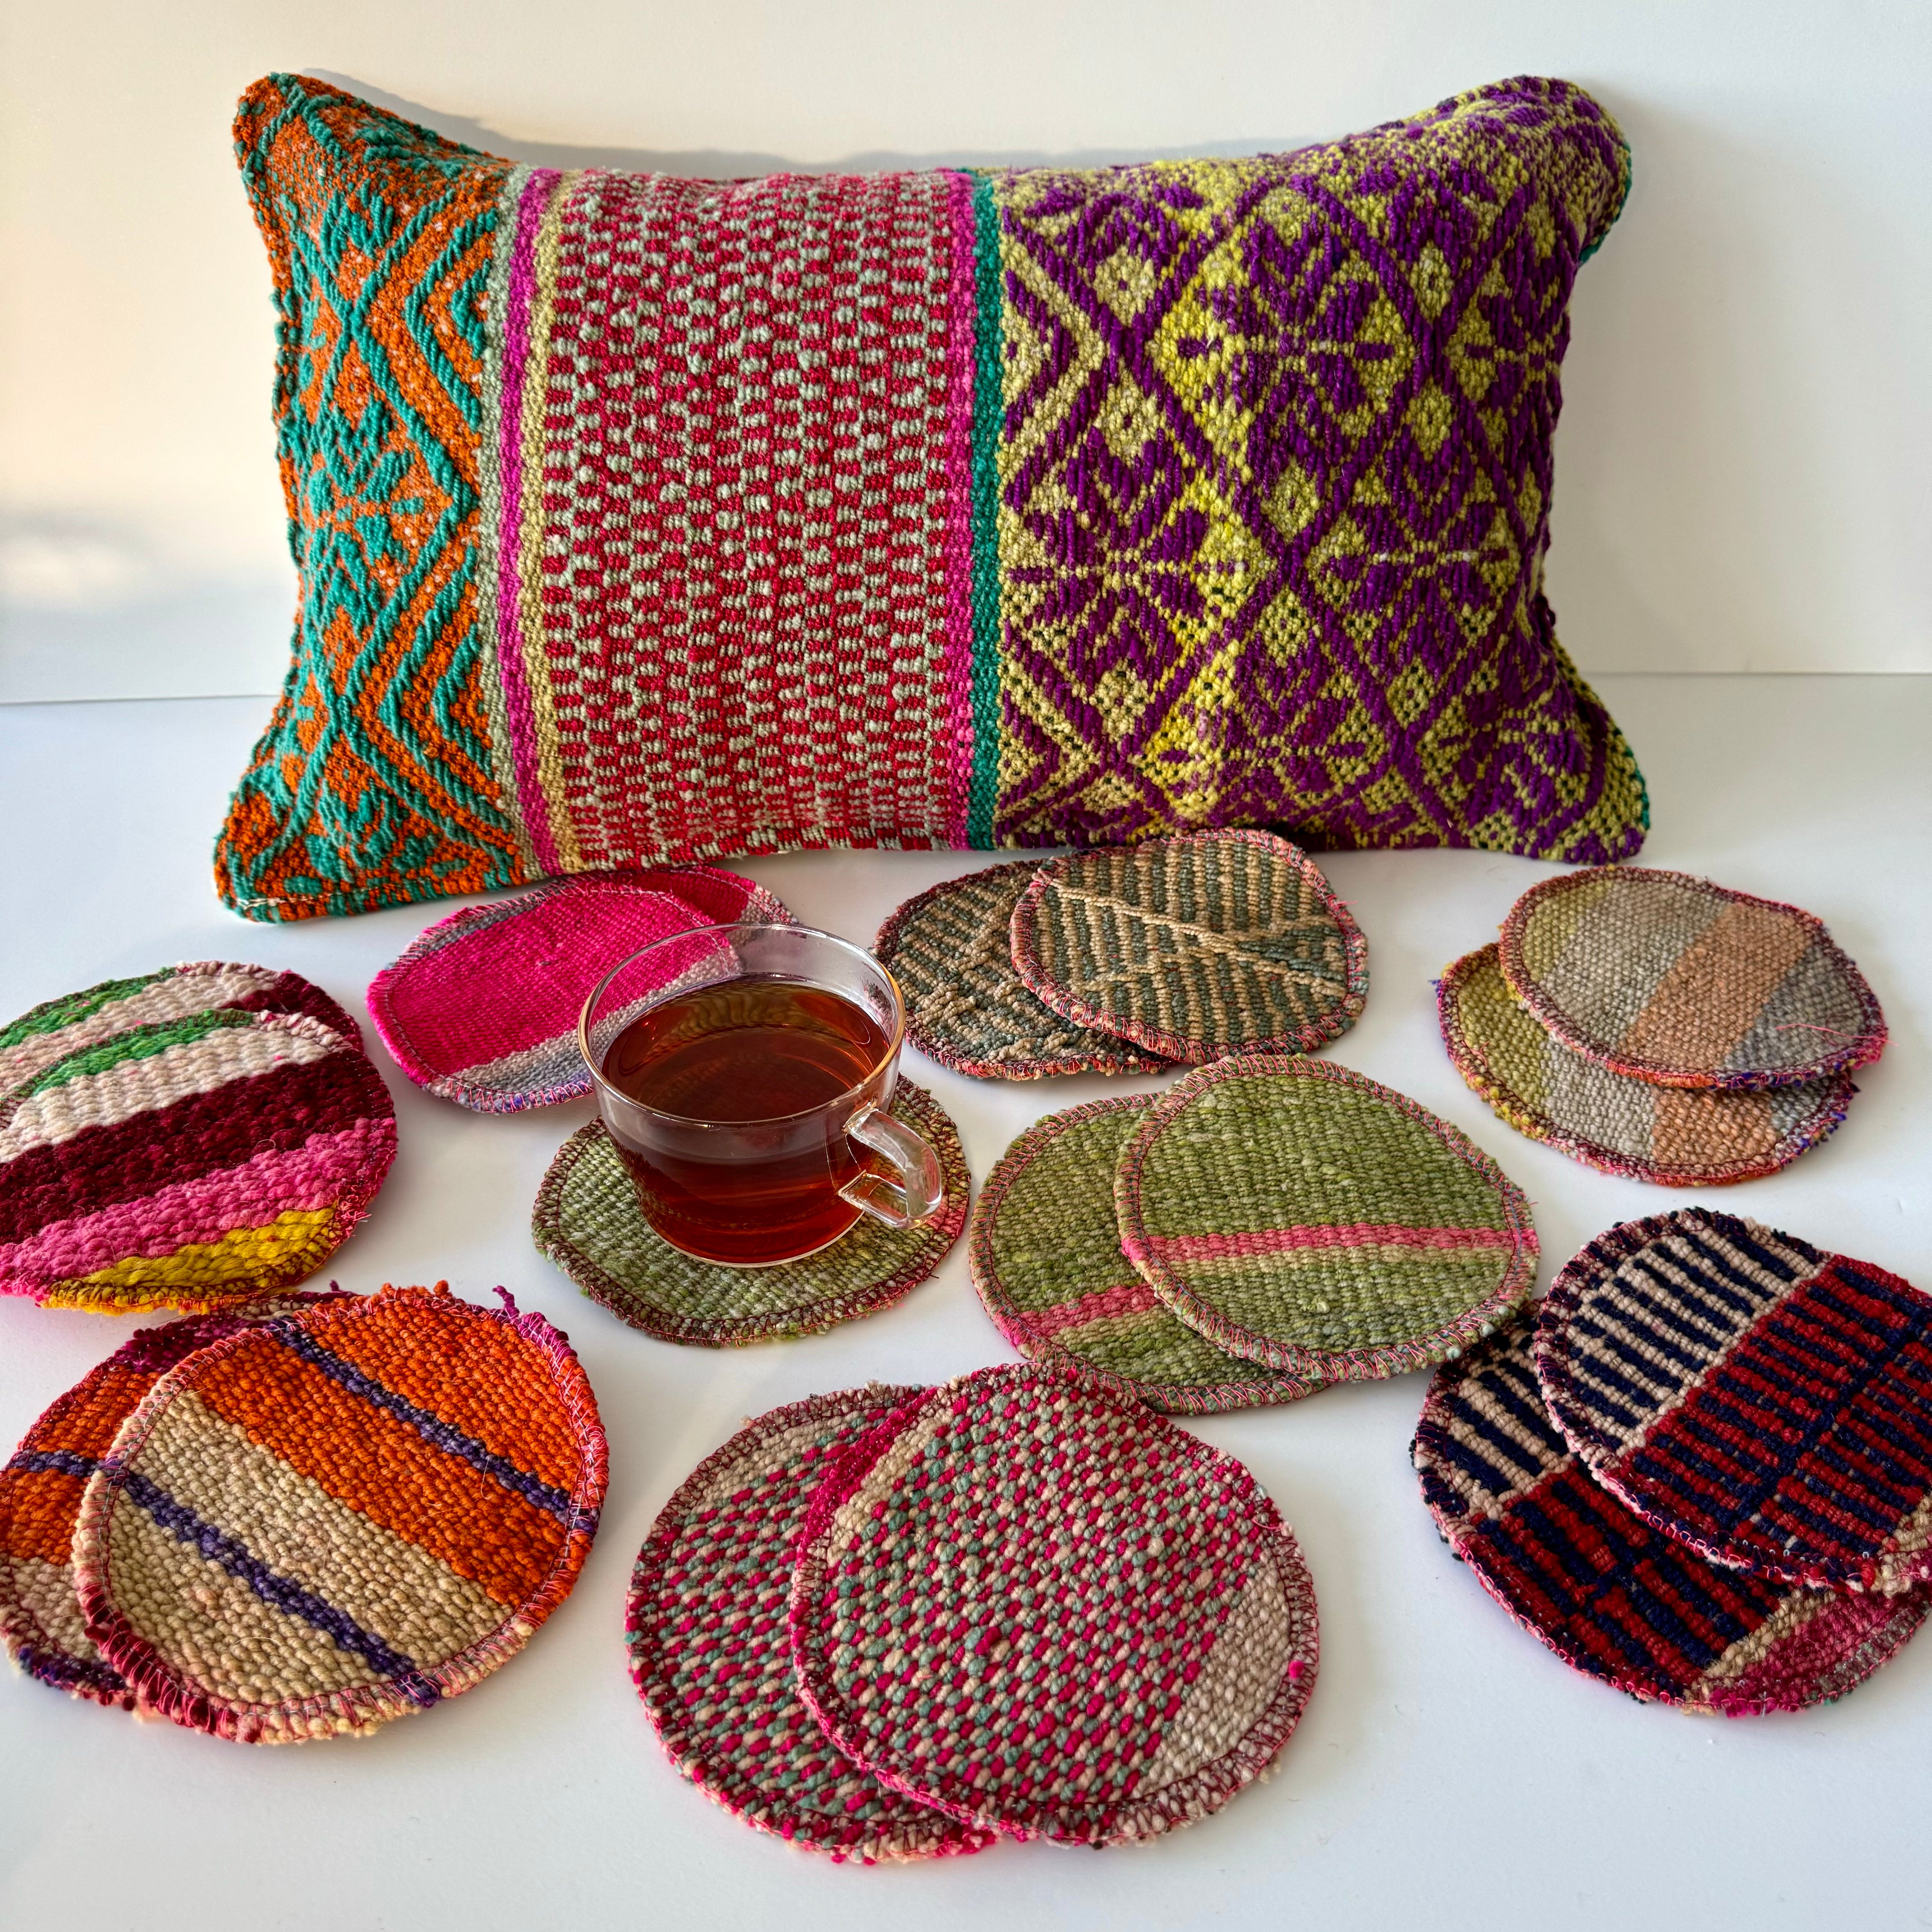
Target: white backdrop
x=1745, y=461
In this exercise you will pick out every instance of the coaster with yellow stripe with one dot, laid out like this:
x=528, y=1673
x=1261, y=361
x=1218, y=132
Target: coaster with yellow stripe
x=336, y=1519
x=194, y=1163
x=1305, y=1216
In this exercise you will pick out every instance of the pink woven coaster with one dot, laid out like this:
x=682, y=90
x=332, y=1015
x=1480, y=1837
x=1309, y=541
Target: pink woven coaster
x=482, y=1008
x=1051, y=1613
x=1613, y=1597
x=42, y=1484
x=709, y=1654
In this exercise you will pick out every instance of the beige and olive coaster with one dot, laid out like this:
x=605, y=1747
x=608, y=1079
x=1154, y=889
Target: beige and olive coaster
x=1305, y=1216
x=1046, y=1256
x=1678, y=1136
x=1214, y=943
x=1672, y=979
x=587, y=1220
x=950, y=949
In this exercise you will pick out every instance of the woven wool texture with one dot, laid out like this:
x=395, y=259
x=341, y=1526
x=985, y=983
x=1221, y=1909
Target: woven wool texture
x=1609, y=1593
x=190, y=1163
x=41, y=1486
x=336, y=1519
x=1679, y=1137
x=1045, y=1255
x=60, y=1027
x=1050, y=1613
x=710, y=1652
x=587, y=1220
x=1218, y=943
x=1767, y=1404
x=481, y=1008
x=1308, y=1218
x=950, y=950
x=1671, y=979
x=642, y=518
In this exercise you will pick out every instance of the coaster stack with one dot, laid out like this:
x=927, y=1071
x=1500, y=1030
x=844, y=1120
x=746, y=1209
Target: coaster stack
x=1656, y=1026
x=194, y=1138
x=1703, y=1473
x=1270, y=1224
x=303, y=1519
x=899, y=1623
x=1126, y=960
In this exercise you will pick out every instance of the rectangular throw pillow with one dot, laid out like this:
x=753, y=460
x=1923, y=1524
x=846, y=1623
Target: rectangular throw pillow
x=641, y=518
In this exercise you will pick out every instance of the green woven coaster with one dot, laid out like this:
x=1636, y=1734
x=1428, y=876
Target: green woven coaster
x=1218, y=943
x=1046, y=1256
x=950, y=949
x=1678, y=1136
x=587, y=1220
x=1308, y=1217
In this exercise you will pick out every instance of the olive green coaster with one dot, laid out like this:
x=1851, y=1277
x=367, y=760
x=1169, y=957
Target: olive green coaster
x=1217, y=943
x=1678, y=1136
x=950, y=950
x=1305, y=1216
x=587, y=1220
x=1046, y=1256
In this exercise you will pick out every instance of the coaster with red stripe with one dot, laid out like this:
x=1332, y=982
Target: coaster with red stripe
x=194, y=1163
x=1611, y=1595
x=710, y=1653
x=1305, y=1216
x=41, y=1486
x=339, y=1518
x=1046, y=1256
x=1766, y=1403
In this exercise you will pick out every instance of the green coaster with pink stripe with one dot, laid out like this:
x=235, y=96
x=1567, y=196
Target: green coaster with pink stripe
x=1046, y=1256
x=1303, y=1215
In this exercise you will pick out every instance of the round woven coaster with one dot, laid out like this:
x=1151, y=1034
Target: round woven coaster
x=482, y=1007
x=1678, y=1136
x=341, y=1517
x=1308, y=1217
x=1217, y=943
x=42, y=1484
x=1764, y=1403
x=951, y=950
x=1670, y=979
x=58, y=1028
x=710, y=1653
x=1613, y=1597
x=1050, y=1613
x=190, y=1163
x=1046, y=1256
x=586, y=1219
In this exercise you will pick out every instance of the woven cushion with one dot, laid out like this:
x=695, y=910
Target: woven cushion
x=639, y=517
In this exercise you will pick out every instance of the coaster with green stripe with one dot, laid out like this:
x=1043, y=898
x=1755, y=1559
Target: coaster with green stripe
x=1046, y=1256
x=1305, y=1216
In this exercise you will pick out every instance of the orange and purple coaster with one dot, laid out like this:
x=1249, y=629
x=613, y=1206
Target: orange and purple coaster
x=1610, y=1594
x=710, y=1655
x=41, y=1486
x=1045, y=1255
x=1303, y=1215
x=1670, y=979
x=335, y=1518
x=58, y=1028
x=482, y=1008
x=193, y=1163
x=1766, y=1403
x=1050, y=1613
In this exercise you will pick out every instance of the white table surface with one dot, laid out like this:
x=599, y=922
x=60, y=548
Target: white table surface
x=1449, y=1773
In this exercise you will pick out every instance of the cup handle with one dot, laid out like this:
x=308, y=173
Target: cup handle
x=914, y=1191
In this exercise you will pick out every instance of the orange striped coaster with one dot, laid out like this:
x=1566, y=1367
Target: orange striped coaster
x=338, y=1518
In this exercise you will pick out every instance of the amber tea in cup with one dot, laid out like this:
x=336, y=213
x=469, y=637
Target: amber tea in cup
x=743, y=1073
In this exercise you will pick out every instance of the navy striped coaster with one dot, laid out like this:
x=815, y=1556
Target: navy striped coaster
x=1764, y=1403
x=1613, y=1597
